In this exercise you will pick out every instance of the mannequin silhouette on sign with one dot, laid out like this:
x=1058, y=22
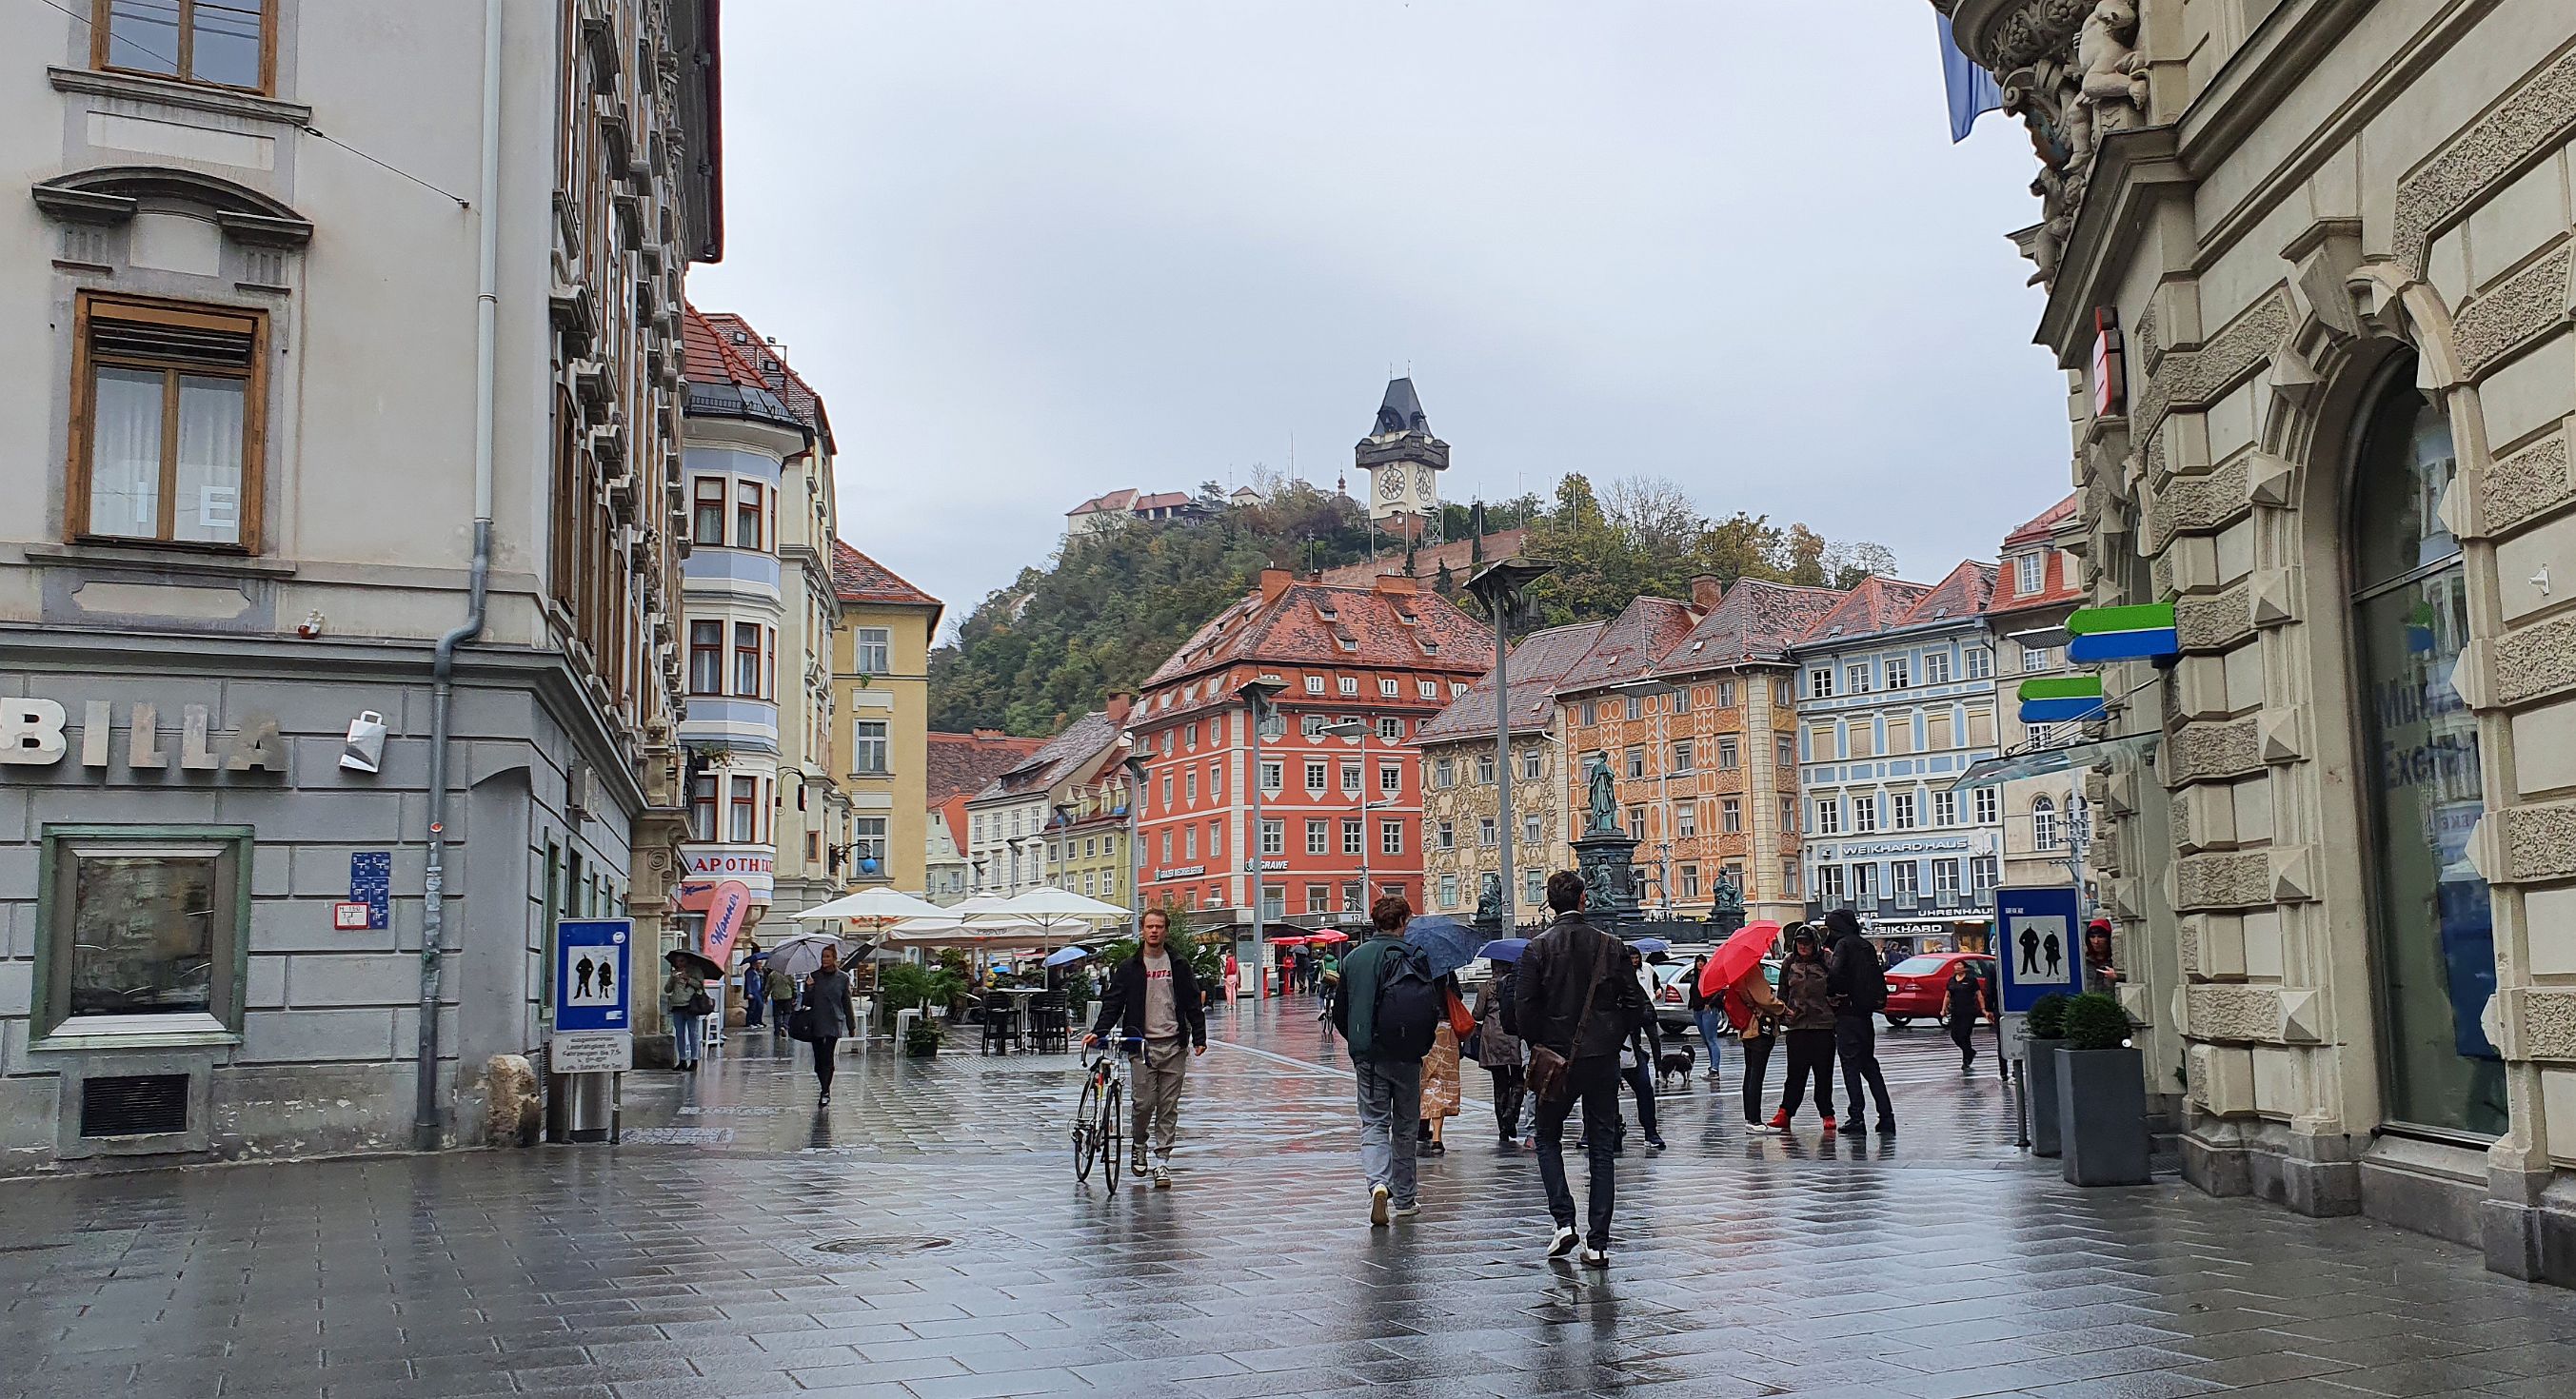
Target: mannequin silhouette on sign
x=581, y=979
x=2030, y=951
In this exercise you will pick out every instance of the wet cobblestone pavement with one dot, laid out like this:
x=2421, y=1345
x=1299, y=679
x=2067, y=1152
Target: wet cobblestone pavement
x=924, y=1239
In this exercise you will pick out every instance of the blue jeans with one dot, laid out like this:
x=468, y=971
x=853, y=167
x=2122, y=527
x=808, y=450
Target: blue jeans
x=1390, y=1114
x=1709, y=1018
x=688, y=1036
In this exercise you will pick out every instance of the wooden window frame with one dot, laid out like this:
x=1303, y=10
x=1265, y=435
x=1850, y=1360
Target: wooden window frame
x=695, y=650
x=98, y=48
x=699, y=500
x=758, y=508
x=84, y=406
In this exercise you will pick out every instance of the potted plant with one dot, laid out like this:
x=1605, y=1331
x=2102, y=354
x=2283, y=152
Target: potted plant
x=2101, y=1096
x=922, y=1040
x=2045, y=1026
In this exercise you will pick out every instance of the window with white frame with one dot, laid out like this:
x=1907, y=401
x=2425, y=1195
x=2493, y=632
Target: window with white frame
x=1986, y=805
x=1981, y=663
x=1945, y=879
x=1350, y=779
x=1484, y=769
x=870, y=746
x=1686, y=818
x=1270, y=777
x=1900, y=811
x=1690, y=880
x=1864, y=813
x=1390, y=779
x=1444, y=773
x=868, y=843
x=1444, y=835
x=1986, y=873
x=1829, y=885
x=1729, y=755
x=1529, y=829
x=2030, y=573
x=1730, y=815
x=1274, y=837
x=1314, y=684
x=1448, y=891
x=1354, y=836
x=1390, y=837
x=1945, y=808
x=1936, y=667
x=1391, y=728
x=2043, y=824
x=1350, y=684
x=1856, y=678
x=1318, y=776
x=1533, y=766
x=875, y=647
x=1427, y=689
x=1829, y=816
x=2038, y=658
x=1487, y=834
x=1899, y=673
x=1904, y=880
x=1386, y=688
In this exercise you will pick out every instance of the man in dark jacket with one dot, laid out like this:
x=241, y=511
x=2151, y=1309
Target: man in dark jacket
x=1857, y=981
x=1390, y=1088
x=1153, y=996
x=1576, y=997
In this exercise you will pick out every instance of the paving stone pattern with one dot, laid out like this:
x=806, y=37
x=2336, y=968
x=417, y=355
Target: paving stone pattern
x=924, y=1239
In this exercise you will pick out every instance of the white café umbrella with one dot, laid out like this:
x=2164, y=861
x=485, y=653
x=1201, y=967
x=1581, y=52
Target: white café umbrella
x=1054, y=909
x=951, y=932
x=872, y=905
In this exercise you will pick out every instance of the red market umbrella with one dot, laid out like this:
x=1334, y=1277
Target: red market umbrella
x=1289, y=942
x=1329, y=937
x=1739, y=954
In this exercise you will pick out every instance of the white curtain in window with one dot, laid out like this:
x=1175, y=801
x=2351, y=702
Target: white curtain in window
x=208, y=505
x=125, y=454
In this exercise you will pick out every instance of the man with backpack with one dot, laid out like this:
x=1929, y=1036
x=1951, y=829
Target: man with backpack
x=1389, y=1008
x=1573, y=1006
x=1857, y=982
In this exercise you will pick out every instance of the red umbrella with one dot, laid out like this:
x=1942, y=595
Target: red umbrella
x=1289, y=942
x=1739, y=954
x=1329, y=936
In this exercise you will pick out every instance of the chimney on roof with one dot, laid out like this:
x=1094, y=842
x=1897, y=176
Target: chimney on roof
x=1706, y=592
x=1117, y=706
x=989, y=735
x=1275, y=581
x=1398, y=583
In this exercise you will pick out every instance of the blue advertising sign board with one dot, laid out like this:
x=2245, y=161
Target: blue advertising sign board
x=371, y=882
x=2039, y=945
x=593, y=969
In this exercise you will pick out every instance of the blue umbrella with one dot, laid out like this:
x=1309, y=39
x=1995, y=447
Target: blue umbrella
x=1067, y=956
x=1449, y=943
x=1650, y=946
x=1503, y=949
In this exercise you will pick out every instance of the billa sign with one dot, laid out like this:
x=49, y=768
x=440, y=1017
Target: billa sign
x=32, y=734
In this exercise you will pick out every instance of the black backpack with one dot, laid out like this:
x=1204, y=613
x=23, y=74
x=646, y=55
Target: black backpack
x=1410, y=1007
x=1865, y=984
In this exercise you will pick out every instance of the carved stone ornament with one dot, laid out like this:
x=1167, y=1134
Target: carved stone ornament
x=2071, y=70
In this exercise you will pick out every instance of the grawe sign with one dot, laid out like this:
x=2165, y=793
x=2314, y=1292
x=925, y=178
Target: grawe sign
x=35, y=733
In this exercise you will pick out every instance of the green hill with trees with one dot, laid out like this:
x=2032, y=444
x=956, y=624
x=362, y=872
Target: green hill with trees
x=1055, y=641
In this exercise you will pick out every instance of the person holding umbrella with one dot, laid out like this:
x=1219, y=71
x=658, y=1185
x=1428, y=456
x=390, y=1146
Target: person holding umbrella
x=684, y=996
x=832, y=1014
x=1732, y=982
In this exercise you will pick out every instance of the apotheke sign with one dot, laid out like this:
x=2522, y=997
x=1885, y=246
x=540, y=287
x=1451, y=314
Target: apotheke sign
x=32, y=734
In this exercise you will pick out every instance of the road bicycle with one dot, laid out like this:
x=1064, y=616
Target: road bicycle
x=1097, y=1133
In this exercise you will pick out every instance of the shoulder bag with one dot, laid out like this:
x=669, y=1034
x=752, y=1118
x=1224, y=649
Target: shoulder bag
x=1546, y=1074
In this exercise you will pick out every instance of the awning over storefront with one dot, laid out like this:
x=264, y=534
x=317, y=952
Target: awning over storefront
x=1994, y=772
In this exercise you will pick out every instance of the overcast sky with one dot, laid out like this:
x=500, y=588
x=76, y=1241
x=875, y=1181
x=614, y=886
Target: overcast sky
x=1032, y=251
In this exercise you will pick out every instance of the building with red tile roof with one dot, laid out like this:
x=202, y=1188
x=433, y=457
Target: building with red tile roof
x=1895, y=699
x=1103, y=513
x=1390, y=656
x=1462, y=821
x=2038, y=585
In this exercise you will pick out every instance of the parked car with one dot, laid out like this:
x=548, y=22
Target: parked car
x=1917, y=985
x=1668, y=990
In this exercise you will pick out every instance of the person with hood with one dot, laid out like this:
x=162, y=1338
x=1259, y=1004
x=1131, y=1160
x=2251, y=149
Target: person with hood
x=1574, y=1002
x=1499, y=1050
x=1154, y=997
x=1805, y=992
x=2100, y=972
x=1757, y=1014
x=1857, y=982
x=1390, y=1090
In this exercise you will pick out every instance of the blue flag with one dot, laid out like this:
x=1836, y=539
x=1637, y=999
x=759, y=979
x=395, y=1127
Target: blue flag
x=1972, y=89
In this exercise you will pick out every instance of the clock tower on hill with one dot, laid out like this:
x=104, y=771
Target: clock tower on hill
x=1403, y=461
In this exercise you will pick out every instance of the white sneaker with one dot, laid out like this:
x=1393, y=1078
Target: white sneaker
x=1379, y=1197
x=1407, y=1211
x=1563, y=1243
x=1594, y=1258
x=1162, y=1175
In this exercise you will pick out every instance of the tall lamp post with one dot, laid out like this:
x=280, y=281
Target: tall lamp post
x=1135, y=770
x=1258, y=696
x=1498, y=586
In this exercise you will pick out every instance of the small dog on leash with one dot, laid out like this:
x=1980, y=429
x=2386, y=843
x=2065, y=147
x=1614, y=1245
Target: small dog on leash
x=1676, y=1064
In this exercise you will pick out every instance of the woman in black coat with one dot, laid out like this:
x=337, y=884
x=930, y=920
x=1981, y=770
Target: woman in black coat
x=832, y=1014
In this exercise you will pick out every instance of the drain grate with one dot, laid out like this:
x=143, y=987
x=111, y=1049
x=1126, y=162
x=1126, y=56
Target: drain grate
x=134, y=1105
x=882, y=1248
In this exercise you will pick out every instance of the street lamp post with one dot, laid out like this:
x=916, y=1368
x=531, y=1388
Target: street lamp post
x=1135, y=770
x=1257, y=696
x=1498, y=586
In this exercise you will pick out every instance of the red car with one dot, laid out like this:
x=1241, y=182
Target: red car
x=1918, y=986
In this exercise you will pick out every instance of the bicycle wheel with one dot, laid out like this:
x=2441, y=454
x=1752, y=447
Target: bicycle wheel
x=1112, y=1140
x=1085, y=1146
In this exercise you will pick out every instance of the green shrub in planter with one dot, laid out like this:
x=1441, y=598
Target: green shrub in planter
x=2048, y=1017
x=923, y=1039
x=2094, y=1021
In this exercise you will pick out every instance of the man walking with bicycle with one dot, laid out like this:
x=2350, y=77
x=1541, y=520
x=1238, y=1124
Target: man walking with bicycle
x=1153, y=996
x=1574, y=1006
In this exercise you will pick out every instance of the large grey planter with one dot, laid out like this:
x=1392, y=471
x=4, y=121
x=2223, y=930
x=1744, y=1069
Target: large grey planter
x=2042, y=1092
x=2102, y=1116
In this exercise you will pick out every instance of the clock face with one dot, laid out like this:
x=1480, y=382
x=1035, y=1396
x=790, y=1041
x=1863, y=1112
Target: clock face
x=1391, y=485
x=1422, y=482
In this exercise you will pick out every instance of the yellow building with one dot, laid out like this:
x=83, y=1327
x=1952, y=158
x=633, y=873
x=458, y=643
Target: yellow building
x=881, y=721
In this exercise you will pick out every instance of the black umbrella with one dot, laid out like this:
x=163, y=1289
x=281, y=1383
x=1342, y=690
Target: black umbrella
x=683, y=960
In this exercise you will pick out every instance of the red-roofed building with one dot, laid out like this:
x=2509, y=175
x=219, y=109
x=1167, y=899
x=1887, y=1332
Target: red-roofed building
x=1896, y=697
x=1103, y=513
x=2036, y=588
x=880, y=672
x=961, y=765
x=1389, y=656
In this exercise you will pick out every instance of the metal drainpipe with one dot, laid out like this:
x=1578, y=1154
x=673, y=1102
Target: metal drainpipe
x=428, y=1123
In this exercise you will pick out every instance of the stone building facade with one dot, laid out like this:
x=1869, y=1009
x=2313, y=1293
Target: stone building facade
x=1462, y=825
x=2308, y=269
x=2036, y=589
x=246, y=430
